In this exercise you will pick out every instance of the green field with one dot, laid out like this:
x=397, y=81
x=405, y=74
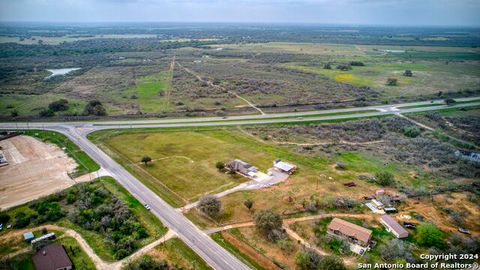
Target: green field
x=177, y=253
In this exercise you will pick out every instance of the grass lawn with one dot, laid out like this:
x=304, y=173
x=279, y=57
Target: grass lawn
x=79, y=258
x=184, y=161
x=84, y=162
x=153, y=92
x=175, y=252
x=250, y=262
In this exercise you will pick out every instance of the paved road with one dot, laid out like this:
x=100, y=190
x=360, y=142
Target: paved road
x=203, y=245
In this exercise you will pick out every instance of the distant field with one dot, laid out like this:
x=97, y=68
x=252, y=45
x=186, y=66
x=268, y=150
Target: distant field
x=278, y=76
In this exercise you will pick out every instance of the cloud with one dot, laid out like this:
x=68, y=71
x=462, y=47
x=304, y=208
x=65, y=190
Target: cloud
x=386, y=12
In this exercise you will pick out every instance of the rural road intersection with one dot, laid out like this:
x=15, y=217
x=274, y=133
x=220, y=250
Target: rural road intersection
x=199, y=241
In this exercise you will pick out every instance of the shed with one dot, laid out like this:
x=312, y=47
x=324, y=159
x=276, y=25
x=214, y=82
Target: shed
x=377, y=203
x=28, y=236
x=392, y=226
x=284, y=166
x=380, y=192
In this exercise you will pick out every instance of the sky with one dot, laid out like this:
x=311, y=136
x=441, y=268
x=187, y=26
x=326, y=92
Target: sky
x=351, y=12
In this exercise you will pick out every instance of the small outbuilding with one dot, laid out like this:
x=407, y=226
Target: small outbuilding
x=52, y=257
x=392, y=226
x=380, y=192
x=28, y=236
x=378, y=204
x=284, y=166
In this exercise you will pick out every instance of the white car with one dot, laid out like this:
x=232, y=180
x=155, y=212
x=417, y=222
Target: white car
x=147, y=206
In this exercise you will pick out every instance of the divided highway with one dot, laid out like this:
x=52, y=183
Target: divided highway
x=202, y=244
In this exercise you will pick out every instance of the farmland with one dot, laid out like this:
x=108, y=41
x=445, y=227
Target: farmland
x=147, y=75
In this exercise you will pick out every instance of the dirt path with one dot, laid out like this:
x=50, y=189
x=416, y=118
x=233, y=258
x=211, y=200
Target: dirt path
x=209, y=83
x=99, y=263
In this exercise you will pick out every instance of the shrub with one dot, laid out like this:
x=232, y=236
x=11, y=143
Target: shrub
x=392, y=82
x=411, y=132
x=269, y=224
x=146, y=160
x=4, y=218
x=408, y=73
x=94, y=107
x=384, y=178
x=248, y=203
x=429, y=235
x=46, y=113
x=59, y=105
x=331, y=263
x=340, y=166
x=220, y=165
x=357, y=64
x=307, y=259
x=393, y=250
x=210, y=205
x=21, y=220
x=148, y=263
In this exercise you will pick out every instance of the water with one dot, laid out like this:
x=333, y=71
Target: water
x=60, y=72
x=393, y=51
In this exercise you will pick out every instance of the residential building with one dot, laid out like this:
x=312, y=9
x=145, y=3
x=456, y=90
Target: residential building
x=351, y=232
x=241, y=167
x=52, y=257
x=392, y=226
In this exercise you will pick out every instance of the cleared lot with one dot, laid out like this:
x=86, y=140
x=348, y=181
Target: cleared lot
x=35, y=169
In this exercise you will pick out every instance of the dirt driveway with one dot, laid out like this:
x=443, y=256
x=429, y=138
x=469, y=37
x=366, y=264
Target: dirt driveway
x=35, y=169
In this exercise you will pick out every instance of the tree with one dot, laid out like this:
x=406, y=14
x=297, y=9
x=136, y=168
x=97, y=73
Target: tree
x=46, y=113
x=357, y=64
x=408, y=73
x=146, y=160
x=4, y=218
x=59, y=105
x=94, y=107
x=385, y=178
x=392, y=82
x=248, y=203
x=307, y=259
x=269, y=224
x=411, y=132
x=220, y=165
x=210, y=205
x=429, y=235
x=449, y=101
x=44, y=230
x=327, y=66
x=331, y=263
x=14, y=113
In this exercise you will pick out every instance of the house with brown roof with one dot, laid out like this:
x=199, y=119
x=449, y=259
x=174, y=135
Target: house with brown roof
x=353, y=233
x=392, y=226
x=52, y=257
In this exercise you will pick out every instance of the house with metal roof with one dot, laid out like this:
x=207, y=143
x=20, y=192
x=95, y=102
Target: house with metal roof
x=351, y=232
x=392, y=226
x=240, y=166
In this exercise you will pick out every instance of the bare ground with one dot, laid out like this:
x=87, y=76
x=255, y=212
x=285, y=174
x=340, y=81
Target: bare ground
x=35, y=169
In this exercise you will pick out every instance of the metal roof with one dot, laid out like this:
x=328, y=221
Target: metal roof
x=284, y=166
x=394, y=226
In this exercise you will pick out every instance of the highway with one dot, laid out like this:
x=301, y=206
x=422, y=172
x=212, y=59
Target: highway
x=202, y=244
